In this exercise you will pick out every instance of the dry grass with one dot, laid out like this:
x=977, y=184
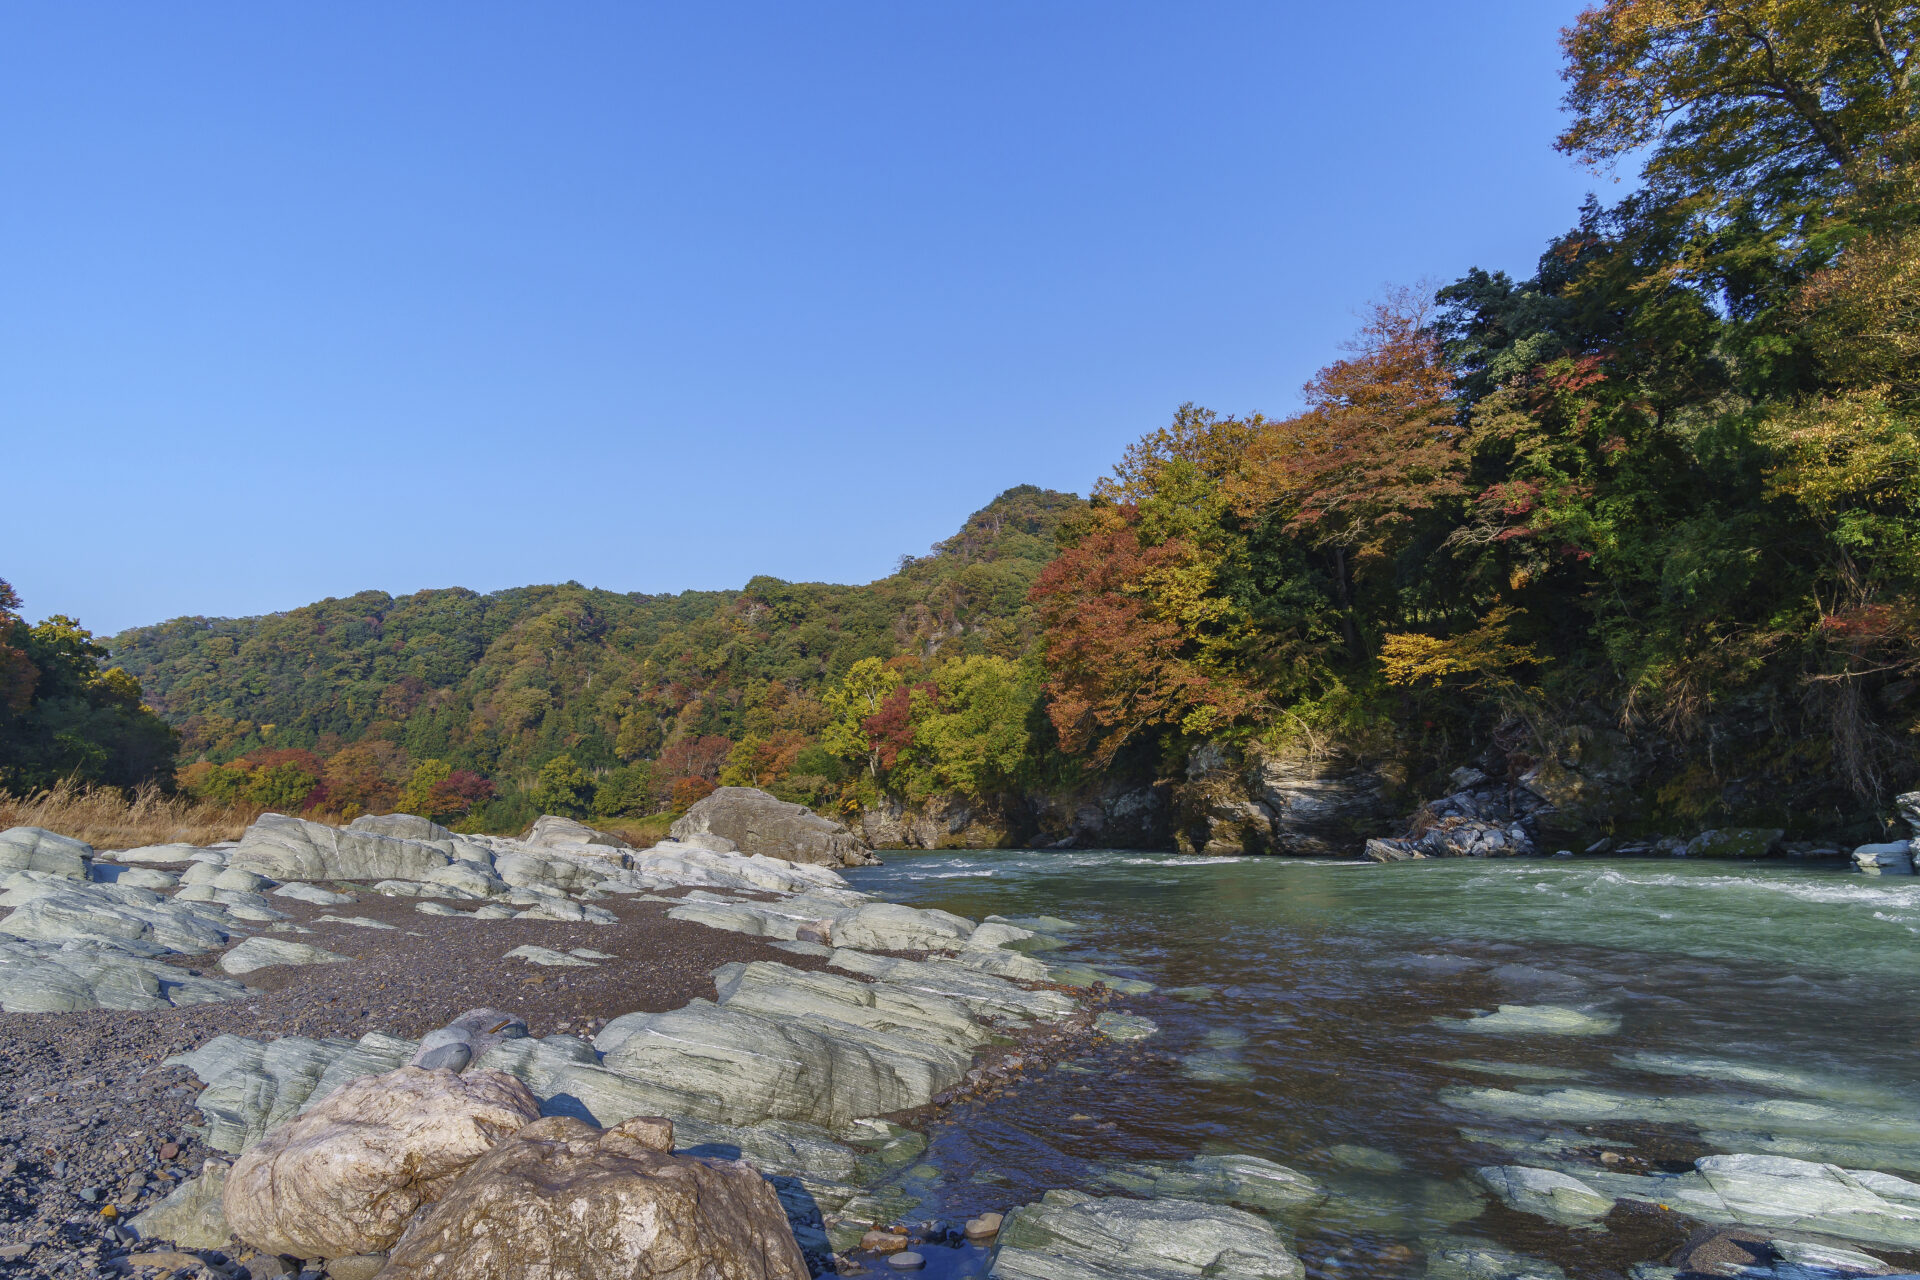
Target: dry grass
x=107, y=819
x=638, y=832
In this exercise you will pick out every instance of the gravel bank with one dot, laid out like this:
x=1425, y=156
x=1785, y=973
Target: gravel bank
x=85, y=1110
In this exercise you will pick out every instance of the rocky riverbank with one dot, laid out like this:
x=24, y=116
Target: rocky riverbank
x=176, y=1016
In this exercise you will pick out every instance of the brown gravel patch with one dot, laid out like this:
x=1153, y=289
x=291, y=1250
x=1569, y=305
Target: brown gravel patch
x=84, y=1105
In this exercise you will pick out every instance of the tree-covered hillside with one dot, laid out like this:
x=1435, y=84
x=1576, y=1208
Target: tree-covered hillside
x=454, y=700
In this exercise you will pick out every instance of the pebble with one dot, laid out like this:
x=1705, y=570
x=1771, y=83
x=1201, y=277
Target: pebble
x=169, y=1150
x=908, y=1261
x=984, y=1227
x=883, y=1242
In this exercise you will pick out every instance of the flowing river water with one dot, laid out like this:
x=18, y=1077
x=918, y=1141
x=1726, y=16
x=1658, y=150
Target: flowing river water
x=1693, y=1008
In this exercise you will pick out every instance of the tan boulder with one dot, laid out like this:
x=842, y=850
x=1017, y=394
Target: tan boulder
x=563, y=1200
x=344, y=1177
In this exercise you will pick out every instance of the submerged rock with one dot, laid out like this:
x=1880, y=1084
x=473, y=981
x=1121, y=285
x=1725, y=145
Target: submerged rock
x=1222, y=1179
x=1460, y=1258
x=1125, y=1026
x=1537, y=1019
x=1546, y=1194
x=565, y=1200
x=1069, y=1235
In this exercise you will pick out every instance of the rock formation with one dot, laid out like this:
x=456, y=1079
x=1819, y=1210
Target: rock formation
x=565, y=1200
x=345, y=1177
x=759, y=823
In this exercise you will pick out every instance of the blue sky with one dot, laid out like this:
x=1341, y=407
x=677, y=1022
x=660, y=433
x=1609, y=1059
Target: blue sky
x=304, y=300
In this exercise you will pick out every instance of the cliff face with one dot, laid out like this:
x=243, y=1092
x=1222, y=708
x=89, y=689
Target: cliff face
x=1116, y=816
x=1249, y=801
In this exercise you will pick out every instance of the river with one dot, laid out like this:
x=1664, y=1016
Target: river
x=1344, y=1033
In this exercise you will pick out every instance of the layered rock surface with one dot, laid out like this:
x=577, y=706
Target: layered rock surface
x=759, y=823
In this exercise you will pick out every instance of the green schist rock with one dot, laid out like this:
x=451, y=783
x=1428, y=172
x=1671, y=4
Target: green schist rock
x=1536, y=1019
x=1351, y=1155
x=1773, y=1191
x=1084, y=975
x=1517, y=1070
x=1069, y=1235
x=1193, y=995
x=1125, y=1026
x=1546, y=1194
x=264, y=953
x=892, y=1152
x=1039, y=924
x=1222, y=1179
x=191, y=1215
x=1856, y=1135
x=1735, y=842
x=1460, y=1258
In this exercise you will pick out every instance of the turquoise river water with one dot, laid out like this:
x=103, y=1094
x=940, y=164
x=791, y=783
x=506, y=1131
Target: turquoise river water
x=1688, y=1001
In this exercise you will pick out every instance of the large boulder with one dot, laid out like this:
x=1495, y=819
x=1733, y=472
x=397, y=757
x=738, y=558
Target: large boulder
x=564, y=1200
x=550, y=830
x=344, y=1177
x=37, y=849
x=283, y=848
x=1069, y=1235
x=760, y=823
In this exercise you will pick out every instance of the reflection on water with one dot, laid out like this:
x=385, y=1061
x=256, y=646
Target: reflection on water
x=1388, y=1030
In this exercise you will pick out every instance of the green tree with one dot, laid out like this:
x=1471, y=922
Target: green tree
x=417, y=797
x=563, y=788
x=971, y=737
x=64, y=715
x=865, y=687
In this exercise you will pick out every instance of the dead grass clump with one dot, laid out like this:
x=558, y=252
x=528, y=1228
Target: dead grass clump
x=108, y=818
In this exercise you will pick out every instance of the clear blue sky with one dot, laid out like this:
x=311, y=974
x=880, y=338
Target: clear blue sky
x=305, y=299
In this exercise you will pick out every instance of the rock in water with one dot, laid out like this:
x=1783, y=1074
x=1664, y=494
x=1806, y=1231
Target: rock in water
x=345, y=1176
x=760, y=823
x=1546, y=1194
x=37, y=849
x=1892, y=858
x=192, y=1214
x=565, y=1200
x=1069, y=1235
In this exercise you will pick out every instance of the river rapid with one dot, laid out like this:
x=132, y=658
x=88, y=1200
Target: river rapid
x=1344, y=1031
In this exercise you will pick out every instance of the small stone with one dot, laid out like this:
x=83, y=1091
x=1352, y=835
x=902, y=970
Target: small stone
x=357, y=1266
x=908, y=1261
x=169, y=1259
x=90, y=1194
x=13, y=1252
x=882, y=1242
x=984, y=1227
x=169, y=1150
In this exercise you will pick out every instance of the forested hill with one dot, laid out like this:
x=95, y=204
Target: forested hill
x=356, y=694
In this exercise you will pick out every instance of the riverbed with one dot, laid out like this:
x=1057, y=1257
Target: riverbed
x=1388, y=1030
